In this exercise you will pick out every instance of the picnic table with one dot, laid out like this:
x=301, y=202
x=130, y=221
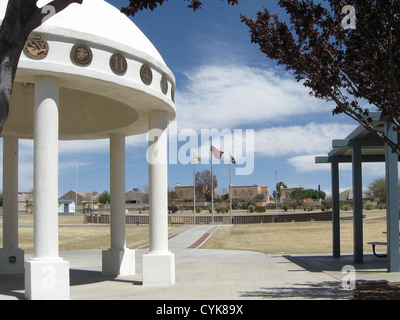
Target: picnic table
x=377, y=243
x=374, y=244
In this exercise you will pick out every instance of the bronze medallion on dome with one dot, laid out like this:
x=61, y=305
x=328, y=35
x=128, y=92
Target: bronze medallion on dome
x=173, y=94
x=36, y=47
x=164, y=84
x=81, y=54
x=118, y=64
x=146, y=75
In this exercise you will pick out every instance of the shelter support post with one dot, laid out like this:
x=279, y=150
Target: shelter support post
x=392, y=201
x=158, y=263
x=357, y=206
x=118, y=260
x=46, y=274
x=335, y=210
x=11, y=257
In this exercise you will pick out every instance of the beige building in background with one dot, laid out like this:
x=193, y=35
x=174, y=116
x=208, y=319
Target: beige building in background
x=185, y=193
x=241, y=193
x=247, y=193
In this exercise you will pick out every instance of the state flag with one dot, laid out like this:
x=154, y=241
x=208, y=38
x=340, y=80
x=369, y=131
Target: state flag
x=216, y=153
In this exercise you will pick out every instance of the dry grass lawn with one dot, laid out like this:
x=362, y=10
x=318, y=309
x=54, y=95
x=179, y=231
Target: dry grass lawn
x=295, y=238
x=73, y=235
x=269, y=238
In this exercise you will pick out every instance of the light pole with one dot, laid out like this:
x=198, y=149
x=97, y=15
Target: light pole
x=76, y=188
x=276, y=193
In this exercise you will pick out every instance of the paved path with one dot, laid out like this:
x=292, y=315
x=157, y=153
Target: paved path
x=190, y=238
x=207, y=274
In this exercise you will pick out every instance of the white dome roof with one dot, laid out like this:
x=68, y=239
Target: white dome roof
x=97, y=97
x=95, y=21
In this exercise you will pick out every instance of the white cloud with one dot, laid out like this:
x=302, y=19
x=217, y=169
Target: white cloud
x=224, y=96
x=83, y=146
x=310, y=139
x=307, y=164
x=97, y=146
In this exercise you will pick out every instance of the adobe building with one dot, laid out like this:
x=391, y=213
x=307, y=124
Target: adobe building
x=241, y=193
x=247, y=193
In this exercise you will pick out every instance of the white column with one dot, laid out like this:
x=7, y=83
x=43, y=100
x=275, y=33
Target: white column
x=46, y=274
x=158, y=263
x=118, y=260
x=11, y=257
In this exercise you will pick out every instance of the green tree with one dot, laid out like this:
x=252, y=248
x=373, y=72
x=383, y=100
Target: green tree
x=104, y=197
x=172, y=196
x=315, y=194
x=378, y=188
x=277, y=192
x=296, y=198
x=259, y=197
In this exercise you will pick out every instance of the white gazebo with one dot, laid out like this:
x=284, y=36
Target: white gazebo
x=86, y=73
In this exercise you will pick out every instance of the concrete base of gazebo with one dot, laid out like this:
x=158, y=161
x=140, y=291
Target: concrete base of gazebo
x=158, y=269
x=117, y=262
x=47, y=279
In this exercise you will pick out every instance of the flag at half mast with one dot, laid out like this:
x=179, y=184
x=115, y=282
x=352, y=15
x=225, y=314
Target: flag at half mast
x=216, y=153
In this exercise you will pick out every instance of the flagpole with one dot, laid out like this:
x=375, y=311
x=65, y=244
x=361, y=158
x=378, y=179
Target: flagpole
x=212, y=186
x=194, y=191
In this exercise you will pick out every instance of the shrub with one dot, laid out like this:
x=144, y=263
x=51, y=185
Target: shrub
x=250, y=208
x=326, y=206
x=382, y=206
x=198, y=210
x=173, y=208
x=368, y=205
x=284, y=206
x=346, y=207
x=260, y=209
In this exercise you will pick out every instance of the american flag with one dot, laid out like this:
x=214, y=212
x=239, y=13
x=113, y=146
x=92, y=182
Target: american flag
x=216, y=153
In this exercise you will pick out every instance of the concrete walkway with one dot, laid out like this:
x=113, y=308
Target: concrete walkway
x=204, y=274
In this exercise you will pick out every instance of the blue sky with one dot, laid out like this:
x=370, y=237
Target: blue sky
x=223, y=81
